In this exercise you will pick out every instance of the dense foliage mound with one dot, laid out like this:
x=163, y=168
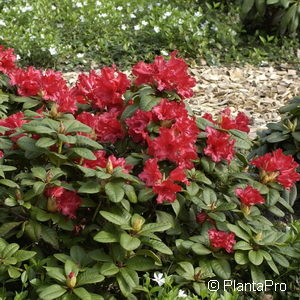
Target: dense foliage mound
x=111, y=178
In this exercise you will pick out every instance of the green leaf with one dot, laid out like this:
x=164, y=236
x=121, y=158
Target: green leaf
x=157, y=245
x=246, y=6
x=50, y=236
x=9, y=183
x=156, y=227
x=56, y=273
x=242, y=245
x=109, y=269
x=281, y=260
x=53, y=291
x=99, y=255
x=84, y=153
x=125, y=288
x=106, y=237
x=129, y=111
x=257, y=274
x=7, y=227
x=192, y=189
x=239, y=232
x=90, y=187
x=81, y=139
x=221, y=268
x=128, y=242
x=130, y=193
x=186, y=270
x=200, y=249
x=22, y=255
x=45, y=142
x=89, y=277
x=241, y=257
x=82, y=293
x=147, y=102
x=140, y=263
x=256, y=257
x=13, y=272
x=114, y=218
x=114, y=191
x=130, y=276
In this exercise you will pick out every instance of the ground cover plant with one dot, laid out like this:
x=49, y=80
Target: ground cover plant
x=64, y=33
x=112, y=185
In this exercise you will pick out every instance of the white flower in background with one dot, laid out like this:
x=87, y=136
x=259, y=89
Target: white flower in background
x=182, y=294
x=52, y=50
x=166, y=14
x=137, y=27
x=26, y=8
x=150, y=6
x=60, y=25
x=119, y=8
x=5, y=9
x=198, y=14
x=214, y=28
x=132, y=16
x=80, y=55
x=159, y=278
x=180, y=21
x=98, y=3
x=102, y=15
x=156, y=29
x=42, y=36
x=53, y=7
x=123, y=27
x=158, y=4
x=78, y=4
x=18, y=57
x=2, y=23
x=144, y=23
x=81, y=18
x=163, y=52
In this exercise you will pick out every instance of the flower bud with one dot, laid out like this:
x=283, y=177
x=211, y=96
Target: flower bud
x=53, y=111
x=137, y=224
x=259, y=236
x=268, y=176
x=109, y=167
x=51, y=205
x=246, y=209
x=71, y=280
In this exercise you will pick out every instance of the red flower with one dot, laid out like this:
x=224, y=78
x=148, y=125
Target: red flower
x=169, y=110
x=109, y=128
x=66, y=202
x=102, y=162
x=28, y=81
x=137, y=125
x=219, y=146
x=103, y=90
x=151, y=173
x=222, y=239
x=166, y=191
x=278, y=167
x=178, y=175
x=249, y=196
x=7, y=60
x=1, y=154
x=241, y=122
x=166, y=75
x=203, y=217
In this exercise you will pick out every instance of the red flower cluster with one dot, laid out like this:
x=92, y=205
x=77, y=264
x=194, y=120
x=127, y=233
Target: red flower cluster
x=278, y=167
x=1, y=154
x=241, y=122
x=166, y=189
x=103, y=90
x=7, y=60
x=222, y=239
x=106, y=127
x=13, y=122
x=106, y=162
x=166, y=75
x=49, y=85
x=249, y=196
x=62, y=200
x=219, y=145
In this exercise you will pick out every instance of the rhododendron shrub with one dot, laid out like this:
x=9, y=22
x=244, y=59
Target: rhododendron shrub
x=113, y=177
